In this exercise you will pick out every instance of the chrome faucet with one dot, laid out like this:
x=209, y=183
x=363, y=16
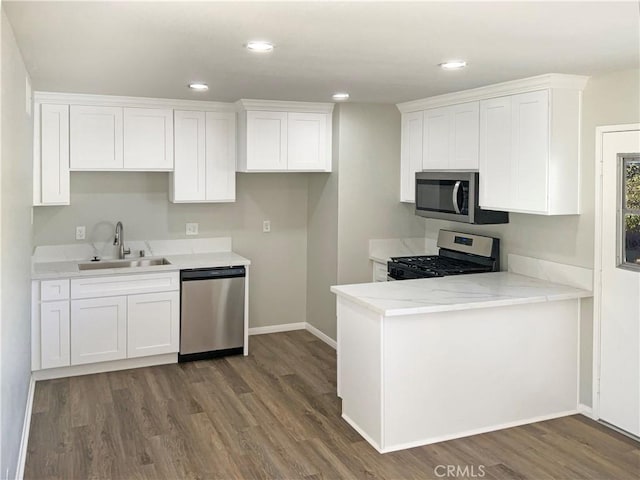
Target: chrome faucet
x=119, y=241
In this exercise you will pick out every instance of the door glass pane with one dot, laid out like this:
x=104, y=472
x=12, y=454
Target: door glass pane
x=630, y=212
x=632, y=239
x=632, y=184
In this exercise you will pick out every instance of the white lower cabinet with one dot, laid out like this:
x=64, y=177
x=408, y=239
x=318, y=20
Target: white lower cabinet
x=98, y=329
x=54, y=331
x=153, y=324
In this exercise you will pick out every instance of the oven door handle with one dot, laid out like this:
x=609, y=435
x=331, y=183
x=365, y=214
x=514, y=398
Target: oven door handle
x=456, y=188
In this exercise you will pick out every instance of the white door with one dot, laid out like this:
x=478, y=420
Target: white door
x=189, y=173
x=153, y=324
x=96, y=138
x=495, y=153
x=220, y=157
x=54, y=334
x=266, y=141
x=436, y=138
x=410, y=154
x=54, y=154
x=148, y=139
x=465, y=132
x=98, y=329
x=530, y=151
x=619, y=401
x=307, y=142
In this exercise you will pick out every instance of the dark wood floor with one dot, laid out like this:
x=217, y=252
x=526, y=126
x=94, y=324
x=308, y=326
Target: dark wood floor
x=275, y=414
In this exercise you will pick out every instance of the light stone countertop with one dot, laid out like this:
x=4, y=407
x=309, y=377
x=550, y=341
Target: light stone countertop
x=458, y=292
x=69, y=269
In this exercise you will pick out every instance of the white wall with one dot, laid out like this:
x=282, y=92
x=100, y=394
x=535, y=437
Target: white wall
x=608, y=99
x=15, y=215
x=357, y=202
x=140, y=200
x=322, y=241
x=369, y=187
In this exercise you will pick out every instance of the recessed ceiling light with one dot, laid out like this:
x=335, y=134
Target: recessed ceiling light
x=453, y=65
x=341, y=96
x=260, y=46
x=199, y=86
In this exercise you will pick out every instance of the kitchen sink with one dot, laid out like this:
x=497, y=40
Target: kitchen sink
x=140, y=262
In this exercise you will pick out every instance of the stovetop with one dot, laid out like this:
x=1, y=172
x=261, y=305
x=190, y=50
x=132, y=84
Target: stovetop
x=432, y=266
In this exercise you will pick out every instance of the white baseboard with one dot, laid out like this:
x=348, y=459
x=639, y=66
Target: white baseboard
x=322, y=336
x=24, y=441
x=288, y=327
x=111, y=366
x=285, y=327
x=586, y=411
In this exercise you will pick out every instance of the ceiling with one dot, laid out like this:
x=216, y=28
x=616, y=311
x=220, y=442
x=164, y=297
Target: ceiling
x=378, y=52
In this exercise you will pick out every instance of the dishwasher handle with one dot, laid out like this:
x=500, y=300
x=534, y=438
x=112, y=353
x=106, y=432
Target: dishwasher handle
x=211, y=273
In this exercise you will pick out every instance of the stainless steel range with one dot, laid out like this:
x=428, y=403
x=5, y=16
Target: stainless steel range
x=458, y=254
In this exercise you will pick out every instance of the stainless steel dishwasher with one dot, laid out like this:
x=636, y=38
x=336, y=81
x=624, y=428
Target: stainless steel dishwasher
x=211, y=312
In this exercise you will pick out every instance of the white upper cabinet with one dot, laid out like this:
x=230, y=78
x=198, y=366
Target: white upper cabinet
x=451, y=137
x=307, y=141
x=220, y=157
x=522, y=136
x=495, y=151
x=51, y=173
x=96, y=138
x=464, y=135
x=205, y=157
x=266, y=141
x=411, y=154
x=189, y=173
x=436, y=138
x=148, y=139
x=284, y=136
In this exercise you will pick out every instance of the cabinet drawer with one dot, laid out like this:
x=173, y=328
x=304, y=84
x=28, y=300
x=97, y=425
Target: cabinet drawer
x=54, y=290
x=92, y=287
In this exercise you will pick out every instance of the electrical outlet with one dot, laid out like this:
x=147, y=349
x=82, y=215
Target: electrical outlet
x=80, y=233
x=266, y=226
x=192, y=228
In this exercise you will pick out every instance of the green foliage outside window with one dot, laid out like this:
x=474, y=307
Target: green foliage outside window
x=632, y=222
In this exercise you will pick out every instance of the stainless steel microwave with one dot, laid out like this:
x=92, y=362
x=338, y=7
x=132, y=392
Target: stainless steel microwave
x=453, y=195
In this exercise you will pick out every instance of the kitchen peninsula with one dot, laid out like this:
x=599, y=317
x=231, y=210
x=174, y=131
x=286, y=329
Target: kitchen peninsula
x=428, y=360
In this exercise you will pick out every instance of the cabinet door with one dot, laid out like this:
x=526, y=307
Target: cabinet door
x=465, y=132
x=153, y=324
x=189, y=172
x=54, y=154
x=495, y=153
x=98, y=330
x=530, y=141
x=54, y=334
x=436, y=138
x=410, y=154
x=266, y=141
x=307, y=148
x=220, y=157
x=148, y=139
x=96, y=138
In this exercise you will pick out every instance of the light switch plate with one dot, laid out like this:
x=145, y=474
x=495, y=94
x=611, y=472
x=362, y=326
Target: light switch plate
x=266, y=226
x=192, y=228
x=80, y=232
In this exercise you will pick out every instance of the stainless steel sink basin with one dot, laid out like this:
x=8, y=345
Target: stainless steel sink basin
x=140, y=262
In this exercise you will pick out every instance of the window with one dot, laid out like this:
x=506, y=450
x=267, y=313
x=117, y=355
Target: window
x=630, y=212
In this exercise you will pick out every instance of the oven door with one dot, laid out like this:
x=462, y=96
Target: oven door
x=443, y=195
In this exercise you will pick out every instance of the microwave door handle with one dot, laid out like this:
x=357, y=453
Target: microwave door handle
x=455, y=196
